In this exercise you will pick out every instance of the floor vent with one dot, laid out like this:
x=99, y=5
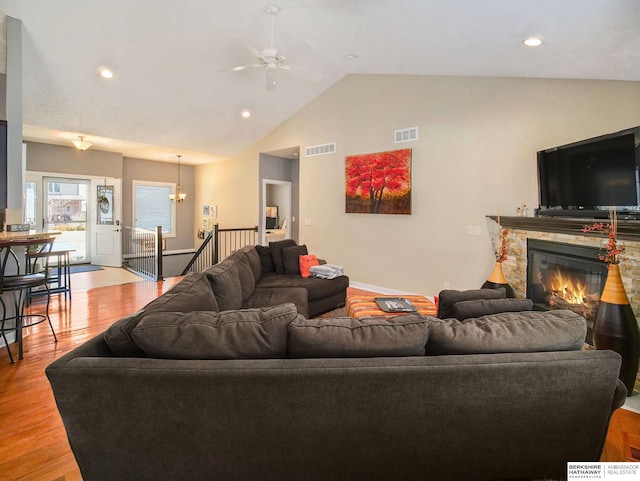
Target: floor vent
x=406, y=135
x=320, y=149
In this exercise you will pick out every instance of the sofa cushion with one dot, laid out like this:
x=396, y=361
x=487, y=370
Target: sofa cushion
x=244, y=334
x=245, y=273
x=448, y=297
x=273, y=297
x=266, y=261
x=193, y=293
x=530, y=331
x=276, y=253
x=316, y=288
x=291, y=258
x=367, y=337
x=254, y=261
x=482, y=307
x=225, y=278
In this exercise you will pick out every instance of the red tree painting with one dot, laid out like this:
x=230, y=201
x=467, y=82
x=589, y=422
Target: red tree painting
x=379, y=183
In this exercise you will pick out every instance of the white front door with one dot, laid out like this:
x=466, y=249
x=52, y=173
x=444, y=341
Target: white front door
x=106, y=228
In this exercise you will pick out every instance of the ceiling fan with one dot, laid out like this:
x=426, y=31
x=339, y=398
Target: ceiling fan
x=271, y=59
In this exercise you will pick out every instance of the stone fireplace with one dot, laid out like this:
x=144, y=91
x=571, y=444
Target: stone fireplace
x=565, y=276
x=524, y=230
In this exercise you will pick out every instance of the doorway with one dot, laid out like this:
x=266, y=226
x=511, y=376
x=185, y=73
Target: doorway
x=279, y=174
x=276, y=215
x=86, y=210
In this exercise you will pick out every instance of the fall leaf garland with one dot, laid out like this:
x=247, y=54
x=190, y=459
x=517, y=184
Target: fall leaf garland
x=500, y=244
x=613, y=251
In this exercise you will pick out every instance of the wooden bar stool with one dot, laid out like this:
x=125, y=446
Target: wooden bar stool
x=16, y=279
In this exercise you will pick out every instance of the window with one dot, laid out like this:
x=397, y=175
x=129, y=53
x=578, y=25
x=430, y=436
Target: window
x=29, y=203
x=152, y=207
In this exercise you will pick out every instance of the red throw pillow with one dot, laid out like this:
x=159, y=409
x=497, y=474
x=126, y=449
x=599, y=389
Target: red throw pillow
x=305, y=264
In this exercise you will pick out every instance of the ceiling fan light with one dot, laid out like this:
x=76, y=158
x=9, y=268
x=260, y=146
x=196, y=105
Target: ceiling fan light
x=81, y=144
x=271, y=79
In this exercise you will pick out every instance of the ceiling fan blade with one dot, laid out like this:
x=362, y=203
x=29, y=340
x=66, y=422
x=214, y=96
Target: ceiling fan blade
x=304, y=73
x=271, y=79
x=242, y=67
x=300, y=49
x=245, y=44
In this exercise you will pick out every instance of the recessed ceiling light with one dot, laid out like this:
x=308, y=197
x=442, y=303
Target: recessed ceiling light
x=106, y=73
x=351, y=56
x=532, y=41
x=246, y=114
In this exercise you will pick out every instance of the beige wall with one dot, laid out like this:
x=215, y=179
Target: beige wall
x=476, y=152
x=233, y=187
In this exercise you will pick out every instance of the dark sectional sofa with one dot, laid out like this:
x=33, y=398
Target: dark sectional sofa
x=183, y=390
x=258, y=276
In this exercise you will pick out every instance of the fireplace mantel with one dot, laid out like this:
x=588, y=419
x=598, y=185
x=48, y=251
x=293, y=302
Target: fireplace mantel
x=627, y=229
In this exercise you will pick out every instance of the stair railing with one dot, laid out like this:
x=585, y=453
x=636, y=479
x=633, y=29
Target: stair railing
x=142, y=251
x=218, y=245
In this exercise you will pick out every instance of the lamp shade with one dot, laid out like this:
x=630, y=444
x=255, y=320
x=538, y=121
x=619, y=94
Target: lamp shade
x=178, y=197
x=81, y=144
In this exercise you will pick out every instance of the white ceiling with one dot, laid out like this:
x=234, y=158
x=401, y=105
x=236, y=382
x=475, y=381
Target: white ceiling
x=170, y=96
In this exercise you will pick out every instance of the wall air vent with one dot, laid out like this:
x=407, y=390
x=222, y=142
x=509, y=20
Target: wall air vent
x=406, y=135
x=320, y=149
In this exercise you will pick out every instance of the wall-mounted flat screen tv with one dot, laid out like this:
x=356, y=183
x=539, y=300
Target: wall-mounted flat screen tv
x=589, y=177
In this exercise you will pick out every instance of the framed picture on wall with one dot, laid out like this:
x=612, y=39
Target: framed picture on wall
x=213, y=213
x=379, y=183
x=205, y=210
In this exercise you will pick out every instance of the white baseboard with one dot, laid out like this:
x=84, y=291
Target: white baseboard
x=381, y=290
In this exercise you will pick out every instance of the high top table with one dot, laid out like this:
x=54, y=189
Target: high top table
x=32, y=234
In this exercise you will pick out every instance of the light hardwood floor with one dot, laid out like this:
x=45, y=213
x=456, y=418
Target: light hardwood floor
x=33, y=443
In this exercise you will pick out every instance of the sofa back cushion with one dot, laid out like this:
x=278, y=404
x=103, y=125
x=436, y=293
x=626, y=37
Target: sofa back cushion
x=448, y=297
x=291, y=258
x=233, y=281
x=266, y=261
x=483, y=307
x=368, y=337
x=193, y=293
x=245, y=334
x=276, y=253
x=245, y=273
x=254, y=262
x=530, y=331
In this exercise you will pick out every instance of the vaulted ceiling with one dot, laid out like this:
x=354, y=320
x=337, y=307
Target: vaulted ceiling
x=172, y=92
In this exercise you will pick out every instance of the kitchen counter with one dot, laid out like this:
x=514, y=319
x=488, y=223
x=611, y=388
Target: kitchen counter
x=32, y=234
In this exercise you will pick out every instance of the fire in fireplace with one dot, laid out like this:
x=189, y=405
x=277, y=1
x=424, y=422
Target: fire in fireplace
x=565, y=276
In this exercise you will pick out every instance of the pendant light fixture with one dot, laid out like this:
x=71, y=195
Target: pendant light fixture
x=179, y=196
x=81, y=144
